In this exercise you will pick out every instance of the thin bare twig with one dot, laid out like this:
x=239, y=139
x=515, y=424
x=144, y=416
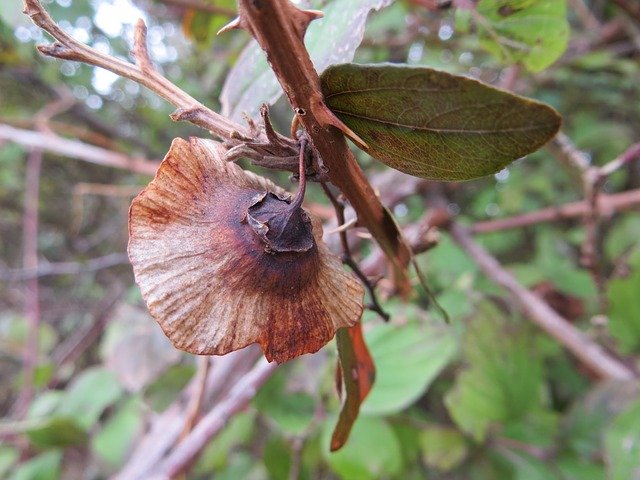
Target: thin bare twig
x=202, y=6
x=588, y=20
x=53, y=143
x=182, y=456
x=592, y=179
x=195, y=402
x=65, y=268
x=630, y=154
x=83, y=338
x=607, y=205
x=165, y=427
x=66, y=47
x=31, y=288
x=582, y=347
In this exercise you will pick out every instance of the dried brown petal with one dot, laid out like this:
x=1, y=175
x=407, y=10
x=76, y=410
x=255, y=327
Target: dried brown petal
x=211, y=281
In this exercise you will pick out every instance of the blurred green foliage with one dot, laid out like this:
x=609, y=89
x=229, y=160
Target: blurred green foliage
x=486, y=397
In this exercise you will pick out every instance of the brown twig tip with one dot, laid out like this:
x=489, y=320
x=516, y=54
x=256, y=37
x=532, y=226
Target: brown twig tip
x=140, y=51
x=57, y=50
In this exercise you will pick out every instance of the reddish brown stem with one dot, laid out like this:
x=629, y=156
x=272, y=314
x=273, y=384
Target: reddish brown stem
x=279, y=28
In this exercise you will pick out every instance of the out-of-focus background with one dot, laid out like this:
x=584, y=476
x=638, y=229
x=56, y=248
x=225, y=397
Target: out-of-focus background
x=90, y=386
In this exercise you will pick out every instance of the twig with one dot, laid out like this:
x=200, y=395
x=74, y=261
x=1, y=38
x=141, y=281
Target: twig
x=80, y=340
x=68, y=48
x=31, y=289
x=564, y=150
x=53, y=143
x=166, y=427
x=592, y=179
x=195, y=402
x=202, y=7
x=632, y=7
x=211, y=424
x=588, y=352
x=65, y=268
x=279, y=27
x=607, y=205
x=630, y=154
x=348, y=259
x=588, y=20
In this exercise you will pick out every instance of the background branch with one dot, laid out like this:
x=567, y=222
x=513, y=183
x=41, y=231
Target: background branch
x=584, y=349
x=143, y=73
x=53, y=143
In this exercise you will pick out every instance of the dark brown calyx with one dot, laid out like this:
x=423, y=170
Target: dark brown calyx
x=283, y=226
x=280, y=223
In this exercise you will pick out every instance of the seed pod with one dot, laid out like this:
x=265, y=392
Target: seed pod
x=224, y=259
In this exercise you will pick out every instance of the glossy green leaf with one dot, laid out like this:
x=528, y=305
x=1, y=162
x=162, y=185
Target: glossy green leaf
x=408, y=358
x=56, y=432
x=372, y=452
x=622, y=445
x=533, y=32
x=624, y=307
x=291, y=412
x=503, y=381
x=443, y=448
x=432, y=124
x=591, y=416
x=113, y=443
x=89, y=395
x=45, y=466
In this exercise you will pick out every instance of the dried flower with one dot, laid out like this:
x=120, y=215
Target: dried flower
x=224, y=258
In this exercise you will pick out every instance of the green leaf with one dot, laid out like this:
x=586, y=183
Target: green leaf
x=216, y=455
x=45, y=466
x=56, y=432
x=432, y=124
x=408, y=358
x=527, y=467
x=588, y=419
x=624, y=307
x=372, y=452
x=504, y=378
x=534, y=32
x=166, y=388
x=292, y=412
x=443, y=448
x=8, y=456
x=114, y=441
x=89, y=394
x=331, y=39
x=622, y=445
x=576, y=468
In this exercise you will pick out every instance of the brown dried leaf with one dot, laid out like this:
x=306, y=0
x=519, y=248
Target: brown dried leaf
x=205, y=274
x=357, y=371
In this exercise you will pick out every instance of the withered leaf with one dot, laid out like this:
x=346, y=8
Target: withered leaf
x=435, y=125
x=209, y=279
x=356, y=372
